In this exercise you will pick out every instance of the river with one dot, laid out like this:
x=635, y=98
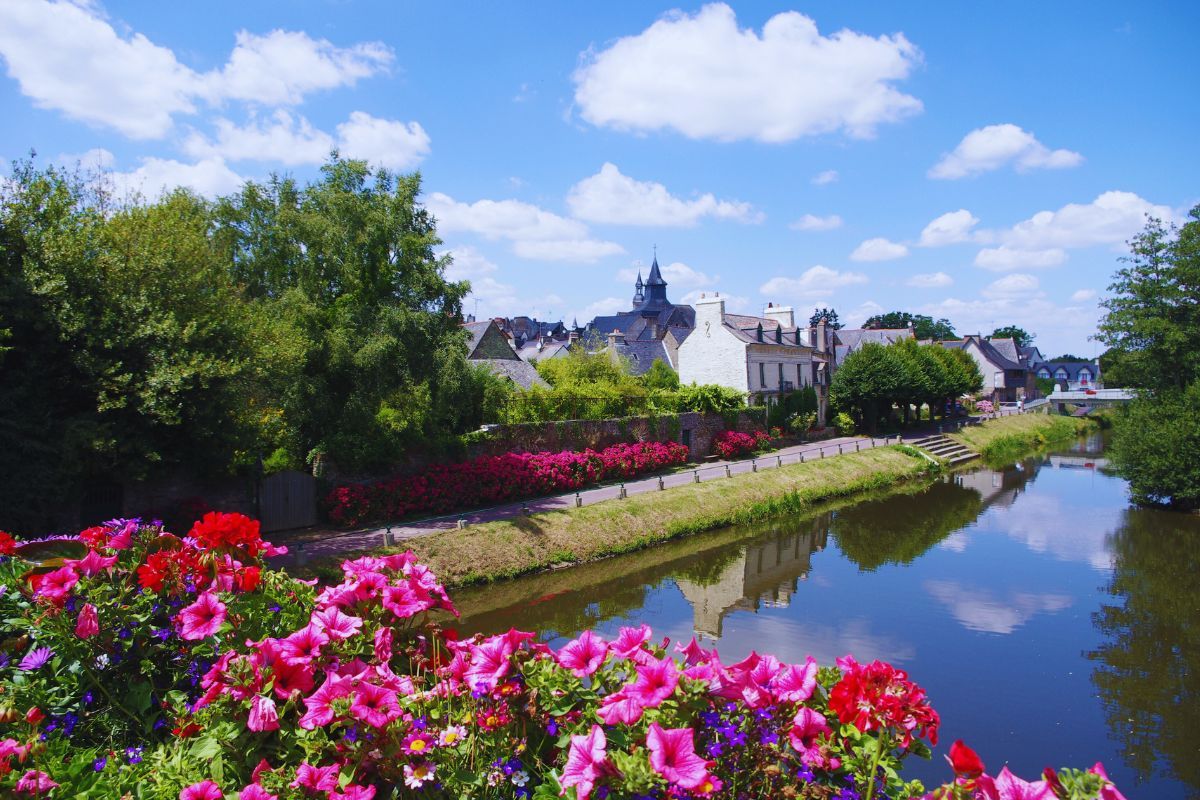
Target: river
x=1050, y=622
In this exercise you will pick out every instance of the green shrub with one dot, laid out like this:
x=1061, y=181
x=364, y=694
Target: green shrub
x=844, y=423
x=1155, y=446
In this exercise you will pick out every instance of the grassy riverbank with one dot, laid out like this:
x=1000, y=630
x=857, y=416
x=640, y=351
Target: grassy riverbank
x=508, y=548
x=1008, y=438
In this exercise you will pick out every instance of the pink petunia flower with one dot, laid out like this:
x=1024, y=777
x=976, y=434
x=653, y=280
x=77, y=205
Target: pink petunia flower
x=319, y=712
x=256, y=792
x=336, y=624
x=92, y=564
x=263, y=716
x=630, y=640
x=202, y=618
x=619, y=707
x=204, y=790
x=586, y=762
x=673, y=755
x=807, y=727
x=1109, y=791
x=319, y=779
x=55, y=586
x=354, y=792
x=35, y=782
x=584, y=655
x=303, y=646
x=88, y=623
x=1007, y=786
x=795, y=683
x=374, y=705
x=655, y=682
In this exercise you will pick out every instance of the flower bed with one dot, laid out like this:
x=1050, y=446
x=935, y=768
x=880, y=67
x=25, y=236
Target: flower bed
x=140, y=662
x=489, y=480
x=734, y=444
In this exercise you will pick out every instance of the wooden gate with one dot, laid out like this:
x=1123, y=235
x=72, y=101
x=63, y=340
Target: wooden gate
x=287, y=500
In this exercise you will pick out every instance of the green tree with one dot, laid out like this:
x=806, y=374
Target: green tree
x=868, y=381
x=660, y=376
x=1020, y=336
x=924, y=327
x=830, y=315
x=1152, y=319
x=1069, y=357
x=1155, y=445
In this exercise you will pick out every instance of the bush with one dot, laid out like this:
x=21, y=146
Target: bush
x=844, y=423
x=1155, y=446
x=267, y=689
x=733, y=444
x=488, y=480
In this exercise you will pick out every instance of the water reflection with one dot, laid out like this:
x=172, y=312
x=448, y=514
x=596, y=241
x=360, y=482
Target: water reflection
x=1148, y=667
x=981, y=610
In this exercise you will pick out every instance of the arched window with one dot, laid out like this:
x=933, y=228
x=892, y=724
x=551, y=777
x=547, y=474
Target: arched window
x=1085, y=376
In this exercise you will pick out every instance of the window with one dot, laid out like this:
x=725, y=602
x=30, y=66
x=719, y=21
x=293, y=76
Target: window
x=1043, y=373
x=1060, y=374
x=1084, y=377
x=762, y=375
x=781, y=377
x=799, y=374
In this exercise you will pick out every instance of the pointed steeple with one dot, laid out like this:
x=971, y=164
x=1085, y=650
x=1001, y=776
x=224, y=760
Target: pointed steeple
x=656, y=278
x=638, y=296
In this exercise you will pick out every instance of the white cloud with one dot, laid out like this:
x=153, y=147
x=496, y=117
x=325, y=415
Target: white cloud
x=1015, y=285
x=616, y=199
x=383, y=142
x=929, y=280
x=1003, y=258
x=825, y=178
x=701, y=75
x=1083, y=295
x=579, y=250
x=978, y=609
x=600, y=308
x=878, y=249
x=855, y=317
x=818, y=281
x=283, y=138
x=293, y=140
x=208, y=176
x=1111, y=218
x=279, y=68
x=811, y=222
x=97, y=158
x=995, y=146
x=1060, y=328
x=949, y=228
x=676, y=274
x=66, y=57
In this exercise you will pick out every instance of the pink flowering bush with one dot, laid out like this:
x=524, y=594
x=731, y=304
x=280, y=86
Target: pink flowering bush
x=489, y=480
x=734, y=444
x=163, y=667
x=985, y=407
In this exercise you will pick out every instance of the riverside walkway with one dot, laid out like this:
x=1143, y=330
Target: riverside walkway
x=326, y=543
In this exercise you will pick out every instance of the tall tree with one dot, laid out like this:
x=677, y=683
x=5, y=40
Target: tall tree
x=924, y=326
x=1152, y=324
x=1022, y=337
x=830, y=315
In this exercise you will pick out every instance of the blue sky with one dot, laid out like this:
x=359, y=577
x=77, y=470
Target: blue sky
x=980, y=162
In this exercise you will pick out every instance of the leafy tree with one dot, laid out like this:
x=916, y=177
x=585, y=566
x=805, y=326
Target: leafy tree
x=830, y=315
x=868, y=381
x=1152, y=324
x=1069, y=357
x=710, y=399
x=1155, y=446
x=660, y=376
x=1020, y=336
x=581, y=368
x=924, y=327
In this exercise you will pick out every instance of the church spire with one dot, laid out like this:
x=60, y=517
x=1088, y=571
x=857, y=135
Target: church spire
x=656, y=278
x=638, y=296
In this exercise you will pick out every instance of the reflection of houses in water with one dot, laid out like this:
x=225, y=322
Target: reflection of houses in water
x=1078, y=462
x=764, y=574
x=998, y=487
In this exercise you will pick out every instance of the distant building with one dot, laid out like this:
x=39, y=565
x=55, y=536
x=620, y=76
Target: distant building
x=847, y=340
x=1072, y=376
x=653, y=329
x=489, y=346
x=1006, y=374
x=759, y=356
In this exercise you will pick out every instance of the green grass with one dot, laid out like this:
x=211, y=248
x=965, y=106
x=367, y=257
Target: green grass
x=1008, y=438
x=521, y=545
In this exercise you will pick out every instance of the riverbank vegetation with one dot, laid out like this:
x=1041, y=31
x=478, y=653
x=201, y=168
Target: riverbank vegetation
x=221, y=679
x=1008, y=438
x=1152, y=328
x=508, y=548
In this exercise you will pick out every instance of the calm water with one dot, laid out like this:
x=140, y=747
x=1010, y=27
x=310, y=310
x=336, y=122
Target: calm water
x=1050, y=623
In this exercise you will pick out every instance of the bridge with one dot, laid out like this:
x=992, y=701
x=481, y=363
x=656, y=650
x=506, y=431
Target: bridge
x=1091, y=399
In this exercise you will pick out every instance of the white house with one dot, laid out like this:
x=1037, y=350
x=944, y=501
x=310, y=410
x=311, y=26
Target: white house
x=758, y=356
x=1072, y=376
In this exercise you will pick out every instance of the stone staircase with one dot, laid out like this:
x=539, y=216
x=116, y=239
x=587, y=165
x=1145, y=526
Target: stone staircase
x=945, y=449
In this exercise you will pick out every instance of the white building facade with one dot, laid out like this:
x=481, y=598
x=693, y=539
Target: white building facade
x=760, y=357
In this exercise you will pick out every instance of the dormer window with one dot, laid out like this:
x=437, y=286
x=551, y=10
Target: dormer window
x=1084, y=377
x=760, y=332
x=779, y=335
x=1043, y=373
x=1060, y=374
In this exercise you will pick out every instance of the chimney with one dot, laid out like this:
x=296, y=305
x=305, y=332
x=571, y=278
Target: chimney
x=781, y=314
x=710, y=313
x=615, y=340
x=821, y=335
x=573, y=336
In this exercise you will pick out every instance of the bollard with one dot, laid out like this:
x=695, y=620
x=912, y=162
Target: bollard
x=696, y=475
x=754, y=465
x=728, y=474
x=839, y=449
x=779, y=461
x=801, y=456
x=301, y=554
x=856, y=444
x=578, y=501
x=621, y=495
x=660, y=483
x=525, y=509
x=462, y=523
x=389, y=538
x=822, y=452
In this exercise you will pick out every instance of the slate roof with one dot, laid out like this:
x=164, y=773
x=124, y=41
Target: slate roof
x=991, y=352
x=519, y=372
x=475, y=331
x=548, y=350
x=642, y=355
x=1072, y=368
x=1007, y=348
x=1031, y=355
x=847, y=340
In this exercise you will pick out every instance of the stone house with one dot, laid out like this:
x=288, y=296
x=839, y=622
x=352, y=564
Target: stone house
x=761, y=357
x=487, y=345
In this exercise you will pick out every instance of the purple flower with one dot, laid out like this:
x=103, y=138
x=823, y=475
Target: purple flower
x=100, y=763
x=36, y=659
x=134, y=754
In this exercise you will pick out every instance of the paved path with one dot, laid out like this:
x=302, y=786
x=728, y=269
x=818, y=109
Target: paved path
x=313, y=545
